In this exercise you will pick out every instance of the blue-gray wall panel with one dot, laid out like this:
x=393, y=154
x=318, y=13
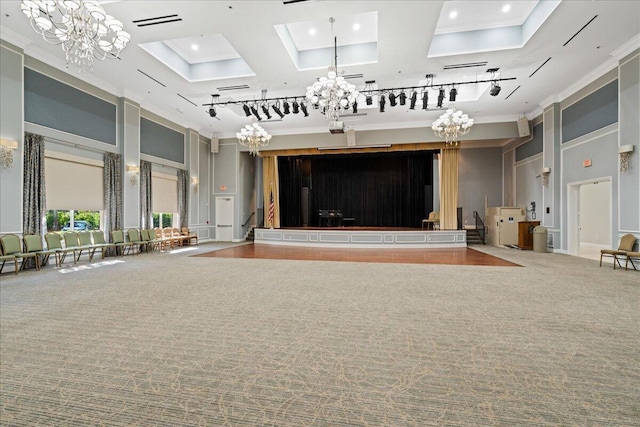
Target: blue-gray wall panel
x=591, y=113
x=50, y=103
x=533, y=146
x=160, y=141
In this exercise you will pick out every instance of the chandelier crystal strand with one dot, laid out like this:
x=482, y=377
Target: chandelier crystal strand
x=332, y=94
x=254, y=137
x=81, y=27
x=452, y=125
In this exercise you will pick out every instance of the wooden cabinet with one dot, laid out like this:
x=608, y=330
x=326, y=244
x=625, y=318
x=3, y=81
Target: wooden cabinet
x=525, y=234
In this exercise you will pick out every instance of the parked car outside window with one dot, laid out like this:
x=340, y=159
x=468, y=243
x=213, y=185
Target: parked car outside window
x=77, y=226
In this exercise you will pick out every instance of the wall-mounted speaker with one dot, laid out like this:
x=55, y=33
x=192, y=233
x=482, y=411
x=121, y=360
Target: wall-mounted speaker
x=351, y=138
x=523, y=127
x=215, y=145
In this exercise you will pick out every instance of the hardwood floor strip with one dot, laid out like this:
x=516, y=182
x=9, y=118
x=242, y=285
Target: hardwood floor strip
x=450, y=256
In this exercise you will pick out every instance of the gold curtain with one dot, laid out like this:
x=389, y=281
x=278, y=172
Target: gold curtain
x=449, y=188
x=270, y=188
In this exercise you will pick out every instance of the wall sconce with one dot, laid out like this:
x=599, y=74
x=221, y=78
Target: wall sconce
x=6, y=152
x=133, y=171
x=195, y=182
x=545, y=175
x=625, y=156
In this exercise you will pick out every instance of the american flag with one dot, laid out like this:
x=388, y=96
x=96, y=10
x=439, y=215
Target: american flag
x=272, y=210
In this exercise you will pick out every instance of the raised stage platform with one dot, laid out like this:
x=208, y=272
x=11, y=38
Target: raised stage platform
x=362, y=237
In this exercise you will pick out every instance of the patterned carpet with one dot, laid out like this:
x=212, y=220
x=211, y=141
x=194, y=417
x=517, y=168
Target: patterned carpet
x=175, y=340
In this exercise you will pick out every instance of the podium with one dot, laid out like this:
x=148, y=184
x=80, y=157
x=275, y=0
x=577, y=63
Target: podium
x=525, y=234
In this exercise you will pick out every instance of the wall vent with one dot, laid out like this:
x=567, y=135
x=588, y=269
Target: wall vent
x=465, y=65
x=155, y=80
x=237, y=87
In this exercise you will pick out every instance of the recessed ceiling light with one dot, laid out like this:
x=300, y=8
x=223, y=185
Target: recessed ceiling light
x=453, y=14
x=194, y=47
x=506, y=8
x=312, y=31
x=356, y=27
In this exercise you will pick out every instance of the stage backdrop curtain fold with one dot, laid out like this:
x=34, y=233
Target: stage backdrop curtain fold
x=183, y=197
x=271, y=192
x=34, y=197
x=146, y=199
x=112, y=193
x=449, y=188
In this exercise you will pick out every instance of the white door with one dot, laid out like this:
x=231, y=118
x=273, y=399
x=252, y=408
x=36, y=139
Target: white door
x=224, y=219
x=594, y=219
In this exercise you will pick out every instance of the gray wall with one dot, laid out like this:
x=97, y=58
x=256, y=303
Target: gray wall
x=480, y=176
x=11, y=120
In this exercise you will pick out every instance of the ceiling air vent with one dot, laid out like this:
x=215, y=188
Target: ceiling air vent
x=157, y=20
x=465, y=65
x=157, y=81
x=288, y=2
x=583, y=27
x=188, y=100
x=237, y=87
x=537, y=69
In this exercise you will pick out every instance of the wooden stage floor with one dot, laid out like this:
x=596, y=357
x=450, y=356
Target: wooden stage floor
x=450, y=256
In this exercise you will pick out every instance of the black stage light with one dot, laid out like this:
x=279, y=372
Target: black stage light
x=452, y=94
x=440, y=97
x=296, y=107
x=247, y=110
x=265, y=110
x=414, y=98
x=303, y=107
x=403, y=98
x=355, y=107
x=276, y=108
x=369, y=99
x=392, y=99
x=255, y=112
x=495, y=89
x=425, y=99
x=382, y=102
x=212, y=112
x=286, y=107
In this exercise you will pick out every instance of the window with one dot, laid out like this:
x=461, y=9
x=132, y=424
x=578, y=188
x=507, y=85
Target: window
x=165, y=200
x=65, y=220
x=162, y=220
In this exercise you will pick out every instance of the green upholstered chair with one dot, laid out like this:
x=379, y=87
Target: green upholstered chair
x=33, y=244
x=99, y=240
x=11, y=246
x=154, y=242
x=54, y=243
x=134, y=238
x=86, y=243
x=8, y=258
x=122, y=246
x=71, y=241
x=626, y=245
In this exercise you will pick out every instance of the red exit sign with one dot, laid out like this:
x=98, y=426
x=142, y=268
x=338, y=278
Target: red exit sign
x=586, y=163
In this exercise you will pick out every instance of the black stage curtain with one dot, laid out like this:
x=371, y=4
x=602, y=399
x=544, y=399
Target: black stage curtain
x=376, y=189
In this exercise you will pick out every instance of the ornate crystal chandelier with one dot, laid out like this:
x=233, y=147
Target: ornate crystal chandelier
x=254, y=137
x=81, y=27
x=452, y=125
x=332, y=94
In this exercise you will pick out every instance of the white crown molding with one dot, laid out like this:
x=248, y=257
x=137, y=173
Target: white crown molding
x=14, y=38
x=627, y=48
x=535, y=113
x=592, y=76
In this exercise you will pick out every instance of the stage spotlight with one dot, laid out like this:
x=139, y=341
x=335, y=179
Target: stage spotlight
x=495, y=89
x=392, y=99
x=303, y=107
x=414, y=98
x=212, y=112
x=276, y=108
x=369, y=99
x=247, y=110
x=403, y=98
x=265, y=110
x=255, y=113
x=286, y=107
x=355, y=107
x=382, y=102
x=425, y=99
x=440, y=97
x=296, y=107
x=452, y=94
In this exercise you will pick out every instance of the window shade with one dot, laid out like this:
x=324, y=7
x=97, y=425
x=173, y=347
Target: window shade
x=72, y=185
x=164, y=192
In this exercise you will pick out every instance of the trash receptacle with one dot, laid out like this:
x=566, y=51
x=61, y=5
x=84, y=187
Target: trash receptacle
x=540, y=239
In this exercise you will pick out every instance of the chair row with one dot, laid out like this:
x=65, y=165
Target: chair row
x=623, y=253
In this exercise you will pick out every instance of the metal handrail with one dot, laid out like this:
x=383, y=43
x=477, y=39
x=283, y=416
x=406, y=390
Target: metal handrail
x=480, y=226
x=249, y=219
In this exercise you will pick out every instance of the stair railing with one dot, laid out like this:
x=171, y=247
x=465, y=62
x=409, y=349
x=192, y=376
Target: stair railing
x=480, y=226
